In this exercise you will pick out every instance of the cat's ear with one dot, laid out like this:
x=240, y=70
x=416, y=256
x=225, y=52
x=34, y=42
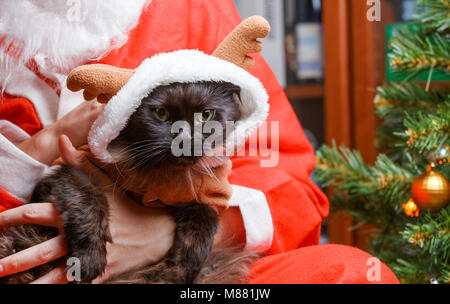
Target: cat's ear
x=242, y=41
x=99, y=81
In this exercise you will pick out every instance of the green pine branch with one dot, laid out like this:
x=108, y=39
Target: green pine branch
x=394, y=99
x=409, y=116
x=388, y=143
x=424, y=45
x=416, y=51
x=426, y=133
x=369, y=193
x=434, y=15
x=429, y=242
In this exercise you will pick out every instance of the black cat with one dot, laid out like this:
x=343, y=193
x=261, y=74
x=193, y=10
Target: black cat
x=143, y=144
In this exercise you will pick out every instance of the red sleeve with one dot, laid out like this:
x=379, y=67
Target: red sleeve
x=20, y=111
x=7, y=201
x=297, y=205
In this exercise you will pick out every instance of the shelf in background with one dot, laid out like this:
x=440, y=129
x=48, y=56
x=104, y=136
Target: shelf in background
x=305, y=91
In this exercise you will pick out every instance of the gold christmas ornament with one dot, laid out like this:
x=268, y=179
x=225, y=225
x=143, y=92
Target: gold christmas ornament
x=431, y=190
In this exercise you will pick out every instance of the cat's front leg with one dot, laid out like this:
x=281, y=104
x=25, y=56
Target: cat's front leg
x=84, y=210
x=196, y=226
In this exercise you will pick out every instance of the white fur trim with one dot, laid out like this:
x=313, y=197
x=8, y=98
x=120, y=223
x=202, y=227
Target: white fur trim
x=179, y=66
x=50, y=32
x=255, y=215
x=19, y=172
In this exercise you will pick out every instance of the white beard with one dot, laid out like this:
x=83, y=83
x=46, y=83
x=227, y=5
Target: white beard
x=60, y=35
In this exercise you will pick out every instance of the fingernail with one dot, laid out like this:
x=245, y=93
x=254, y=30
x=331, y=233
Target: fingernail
x=1, y=269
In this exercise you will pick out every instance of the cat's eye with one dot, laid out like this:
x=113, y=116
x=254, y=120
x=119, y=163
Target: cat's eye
x=207, y=115
x=162, y=114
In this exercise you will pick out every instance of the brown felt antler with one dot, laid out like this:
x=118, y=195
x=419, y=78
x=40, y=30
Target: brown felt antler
x=103, y=81
x=98, y=80
x=243, y=40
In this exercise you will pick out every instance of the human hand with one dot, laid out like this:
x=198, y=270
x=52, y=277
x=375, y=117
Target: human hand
x=43, y=146
x=141, y=235
x=77, y=123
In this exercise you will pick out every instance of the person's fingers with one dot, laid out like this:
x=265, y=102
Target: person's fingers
x=44, y=214
x=57, y=275
x=33, y=256
x=77, y=159
x=69, y=154
x=96, y=107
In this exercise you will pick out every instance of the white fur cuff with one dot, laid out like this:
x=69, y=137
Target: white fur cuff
x=255, y=215
x=19, y=172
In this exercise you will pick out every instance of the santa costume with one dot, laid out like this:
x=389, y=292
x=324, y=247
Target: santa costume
x=281, y=208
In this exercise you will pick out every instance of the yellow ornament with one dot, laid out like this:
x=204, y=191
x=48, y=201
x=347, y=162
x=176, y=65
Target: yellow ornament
x=411, y=208
x=431, y=190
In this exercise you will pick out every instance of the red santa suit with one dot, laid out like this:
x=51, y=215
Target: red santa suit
x=281, y=208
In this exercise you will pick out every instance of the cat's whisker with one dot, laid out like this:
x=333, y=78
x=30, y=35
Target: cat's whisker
x=142, y=147
x=204, y=168
x=157, y=155
x=190, y=182
x=127, y=147
x=211, y=172
x=143, y=153
x=143, y=144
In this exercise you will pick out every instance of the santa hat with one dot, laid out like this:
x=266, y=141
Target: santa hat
x=124, y=89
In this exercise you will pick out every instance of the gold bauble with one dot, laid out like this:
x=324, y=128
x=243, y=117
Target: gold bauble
x=431, y=191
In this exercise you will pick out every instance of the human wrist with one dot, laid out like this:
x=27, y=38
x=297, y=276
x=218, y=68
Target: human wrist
x=164, y=235
x=61, y=127
x=143, y=242
x=43, y=146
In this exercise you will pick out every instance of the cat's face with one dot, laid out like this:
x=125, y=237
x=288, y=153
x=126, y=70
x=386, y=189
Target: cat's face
x=147, y=139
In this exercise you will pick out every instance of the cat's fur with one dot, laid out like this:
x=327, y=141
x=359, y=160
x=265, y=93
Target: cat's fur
x=144, y=143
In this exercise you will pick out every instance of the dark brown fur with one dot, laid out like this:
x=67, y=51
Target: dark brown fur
x=80, y=200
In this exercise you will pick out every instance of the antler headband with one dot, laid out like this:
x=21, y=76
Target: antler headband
x=103, y=81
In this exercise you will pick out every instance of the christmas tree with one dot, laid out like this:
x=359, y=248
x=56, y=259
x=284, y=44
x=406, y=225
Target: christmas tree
x=406, y=192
